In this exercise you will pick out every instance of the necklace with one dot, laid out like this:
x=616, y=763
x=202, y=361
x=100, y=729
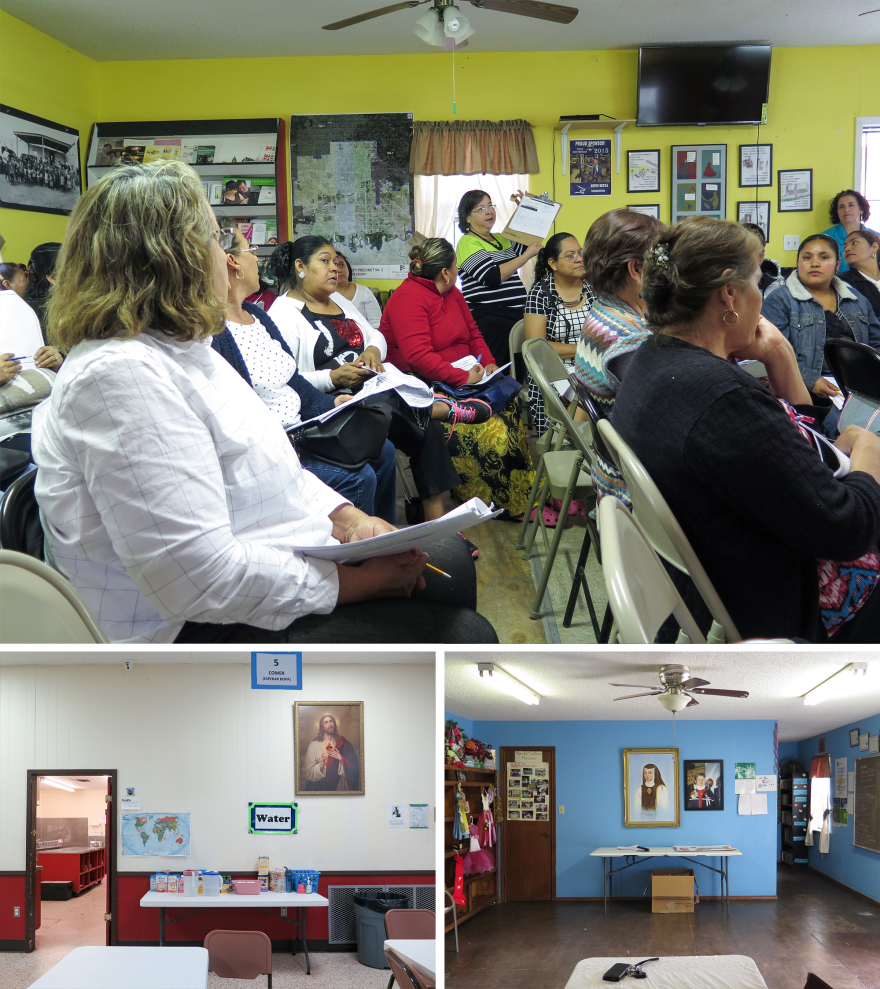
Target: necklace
x=493, y=241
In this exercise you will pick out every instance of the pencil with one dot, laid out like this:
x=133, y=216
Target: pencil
x=438, y=570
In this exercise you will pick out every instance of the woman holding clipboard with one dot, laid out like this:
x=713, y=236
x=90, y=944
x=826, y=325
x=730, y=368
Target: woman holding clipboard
x=488, y=266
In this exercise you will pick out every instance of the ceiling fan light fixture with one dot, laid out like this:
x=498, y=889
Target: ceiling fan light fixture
x=502, y=680
x=456, y=25
x=836, y=684
x=674, y=702
x=430, y=29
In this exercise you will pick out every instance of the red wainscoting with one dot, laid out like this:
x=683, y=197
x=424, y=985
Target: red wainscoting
x=140, y=924
x=12, y=894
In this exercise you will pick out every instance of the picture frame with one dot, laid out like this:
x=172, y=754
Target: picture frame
x=650, y=788
x=795, y=190
x=643, y=171
x=649, y=209
x=703, y=784
x=755, y=211
x=698, y=181
x=328, y=760
x=863, y=741
x=40, y=164
x=461, y=776
x=755, y=165
x=854, y=738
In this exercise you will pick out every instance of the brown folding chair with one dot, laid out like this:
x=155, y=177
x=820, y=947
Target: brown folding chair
x=406, y=977
x=239, y=954
x=406, y=925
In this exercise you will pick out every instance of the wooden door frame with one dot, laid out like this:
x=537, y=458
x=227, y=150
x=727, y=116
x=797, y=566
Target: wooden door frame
x=502, y=782
x=30, y=909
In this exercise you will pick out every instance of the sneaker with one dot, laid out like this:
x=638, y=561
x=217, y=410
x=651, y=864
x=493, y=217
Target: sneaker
x=472, y=549
x=470, y=411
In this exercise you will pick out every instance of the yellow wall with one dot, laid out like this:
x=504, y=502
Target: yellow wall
x=42, y=76
x=810, y=126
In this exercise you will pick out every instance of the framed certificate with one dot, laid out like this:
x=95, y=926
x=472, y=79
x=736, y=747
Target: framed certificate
x=643, y=171
x=755, y=165
x=796, y=190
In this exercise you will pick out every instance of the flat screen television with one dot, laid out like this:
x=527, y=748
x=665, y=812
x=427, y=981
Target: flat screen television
x=703, y=84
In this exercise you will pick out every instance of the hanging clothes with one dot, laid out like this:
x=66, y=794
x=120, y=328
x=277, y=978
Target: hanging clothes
x=486, y=820
x=477, y=859
x=458, y=887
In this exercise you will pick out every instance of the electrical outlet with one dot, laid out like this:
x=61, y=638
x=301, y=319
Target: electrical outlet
x=561, y=809
x=16, y=911
x=791, y=242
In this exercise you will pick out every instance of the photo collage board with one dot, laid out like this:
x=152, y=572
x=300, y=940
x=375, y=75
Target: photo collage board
x=528, y=789
x=699, y=181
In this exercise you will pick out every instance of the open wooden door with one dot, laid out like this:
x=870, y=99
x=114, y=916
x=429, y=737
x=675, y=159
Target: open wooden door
x=109, y=856
x=528, y=845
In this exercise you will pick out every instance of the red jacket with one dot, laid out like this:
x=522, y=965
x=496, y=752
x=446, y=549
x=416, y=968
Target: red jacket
x=427, y=331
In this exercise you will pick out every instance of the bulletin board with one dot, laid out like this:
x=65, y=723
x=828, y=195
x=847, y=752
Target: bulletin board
x=528, y=789
x=699, y=181
x=866, y=827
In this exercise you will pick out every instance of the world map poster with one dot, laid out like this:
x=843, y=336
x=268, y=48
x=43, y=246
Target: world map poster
x=154, y=834
x=350, y=182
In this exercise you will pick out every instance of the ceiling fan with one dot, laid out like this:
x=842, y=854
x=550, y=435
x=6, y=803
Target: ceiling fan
x=677, y=688
x=445, y=26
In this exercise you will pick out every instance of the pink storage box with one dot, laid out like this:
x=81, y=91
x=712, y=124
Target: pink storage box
x=248, y=886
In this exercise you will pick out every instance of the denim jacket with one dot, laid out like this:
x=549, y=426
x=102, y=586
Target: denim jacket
x=801, y=319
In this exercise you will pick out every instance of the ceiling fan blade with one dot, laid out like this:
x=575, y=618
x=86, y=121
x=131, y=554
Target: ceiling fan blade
x=531, y=8
x=693, y=682
x=378, y=12
x=694, y=702
x=864, y=12
x=653, y=693
x=721, y=693
x=642, y=685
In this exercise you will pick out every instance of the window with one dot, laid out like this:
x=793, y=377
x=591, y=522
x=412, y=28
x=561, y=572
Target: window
x=867, y=177
x=437, y=198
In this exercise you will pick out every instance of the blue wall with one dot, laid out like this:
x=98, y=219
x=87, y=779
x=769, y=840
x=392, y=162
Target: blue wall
x=589, y=783
x=466, y=725
x=854, y=867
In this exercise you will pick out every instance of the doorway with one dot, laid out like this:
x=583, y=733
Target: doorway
x=75, y=844
x=528, y=843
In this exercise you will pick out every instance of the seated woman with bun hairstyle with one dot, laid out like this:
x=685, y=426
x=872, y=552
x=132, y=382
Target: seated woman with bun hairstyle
x=790, y=548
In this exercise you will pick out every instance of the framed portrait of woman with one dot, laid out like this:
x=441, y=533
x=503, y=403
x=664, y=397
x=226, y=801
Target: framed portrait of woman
x=328, y=748
x=650, y=788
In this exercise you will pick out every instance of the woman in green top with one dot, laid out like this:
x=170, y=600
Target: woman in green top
x=488, y=266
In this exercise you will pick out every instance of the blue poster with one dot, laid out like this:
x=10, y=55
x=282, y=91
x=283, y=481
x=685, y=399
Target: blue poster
x=589, y=167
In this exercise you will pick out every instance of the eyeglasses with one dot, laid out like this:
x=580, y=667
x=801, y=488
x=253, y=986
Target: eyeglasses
x=571, y=256
x=249, y=250
x=484, y=209
x=225, y=237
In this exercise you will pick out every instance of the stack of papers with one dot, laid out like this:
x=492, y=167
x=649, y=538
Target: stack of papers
x=466, y=363
x=411, y=389
x=703, y=848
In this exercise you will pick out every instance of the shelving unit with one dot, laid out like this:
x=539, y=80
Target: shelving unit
x=257, y=138
x=480, y=890
x=83, y=867
x=794, y=816
x=566, y=125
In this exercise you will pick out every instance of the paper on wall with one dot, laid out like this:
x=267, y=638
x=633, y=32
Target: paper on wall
x=396, y=815
x=418, y=815
x=744, y=786
x=759, y=803
x=852, y=782
x=765, y=784
x=745, y=804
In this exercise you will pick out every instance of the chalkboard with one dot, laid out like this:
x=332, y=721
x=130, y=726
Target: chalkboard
x=866, y=832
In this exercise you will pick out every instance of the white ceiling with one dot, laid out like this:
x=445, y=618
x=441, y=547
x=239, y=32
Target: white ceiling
x=129, y=30
x=78, y=782
x=575, y=687
x=151, y=656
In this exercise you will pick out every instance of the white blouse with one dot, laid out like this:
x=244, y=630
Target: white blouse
x=170, y=493
x=20, y=333
x=270, y=368
x=368, y=304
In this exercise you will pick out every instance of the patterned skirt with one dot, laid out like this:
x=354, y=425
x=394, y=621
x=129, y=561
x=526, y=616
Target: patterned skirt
x=493, y=461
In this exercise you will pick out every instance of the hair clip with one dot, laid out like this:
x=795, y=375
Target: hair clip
x=658, y=255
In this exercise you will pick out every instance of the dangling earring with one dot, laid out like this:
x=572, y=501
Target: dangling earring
x=239, y=275
x=731, y=312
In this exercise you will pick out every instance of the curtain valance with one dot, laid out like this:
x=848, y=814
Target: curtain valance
x=470, y=147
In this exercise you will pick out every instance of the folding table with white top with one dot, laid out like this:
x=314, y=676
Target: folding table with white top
x=633, y=857
x=418, y=953
x=128, y=968
x=675, y=972
x=258, y=901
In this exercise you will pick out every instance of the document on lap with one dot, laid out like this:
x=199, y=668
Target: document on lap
x=410, y=388
x=466, y=363
x=401, y=540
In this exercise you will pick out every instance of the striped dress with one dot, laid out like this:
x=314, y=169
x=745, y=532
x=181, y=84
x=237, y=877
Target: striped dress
x=611, y=328
x=481, y=286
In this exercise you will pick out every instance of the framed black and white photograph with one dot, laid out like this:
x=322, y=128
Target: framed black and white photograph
x=703, y=782
x=651, y=209
x=39, y=163
x=643, y=171
x=795, y=190
x=854, y=738
x=757, y=213
x=755, y=165
x=328, y=742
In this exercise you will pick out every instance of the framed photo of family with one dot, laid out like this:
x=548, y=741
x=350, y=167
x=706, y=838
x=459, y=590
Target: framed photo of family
x=703, y=782
x=328, y=748
x=650, y=788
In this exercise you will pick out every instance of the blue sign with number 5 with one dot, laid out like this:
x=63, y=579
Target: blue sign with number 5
x=276, y=670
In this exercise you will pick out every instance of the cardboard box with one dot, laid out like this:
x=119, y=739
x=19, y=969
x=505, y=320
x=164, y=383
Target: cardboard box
x=672, y=891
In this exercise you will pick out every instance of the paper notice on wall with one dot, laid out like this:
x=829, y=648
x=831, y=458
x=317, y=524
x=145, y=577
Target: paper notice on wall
x=840, y=778
x=744, y=777
x=397, y=815
x=745, y=804
x=759, y=803
x=130, y=803
x=765, y=784
x=418, y=815
x=744, y=786
x=528, y=758
x=852, y=782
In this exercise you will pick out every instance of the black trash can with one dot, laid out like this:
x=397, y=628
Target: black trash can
x=369, y=912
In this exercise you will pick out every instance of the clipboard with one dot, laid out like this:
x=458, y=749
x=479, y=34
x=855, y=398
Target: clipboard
x=532, y=220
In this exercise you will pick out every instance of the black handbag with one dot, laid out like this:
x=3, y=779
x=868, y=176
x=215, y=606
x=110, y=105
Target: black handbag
x=349, y=439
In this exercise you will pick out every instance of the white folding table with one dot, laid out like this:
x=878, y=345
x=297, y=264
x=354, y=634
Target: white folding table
x=675, y=972
x=128, y=968
x=258, y=901
x=418, y=953
x=634, y=857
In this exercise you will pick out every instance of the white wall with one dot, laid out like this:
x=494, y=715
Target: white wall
x=81, y=803
x=199, y=739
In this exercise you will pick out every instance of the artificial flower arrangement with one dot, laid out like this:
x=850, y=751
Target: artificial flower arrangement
x=462, y=751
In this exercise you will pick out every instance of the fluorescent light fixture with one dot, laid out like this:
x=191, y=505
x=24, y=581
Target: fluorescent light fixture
x=674, y=702
x=502, y=680
x=429, y=28
x=836, y=684
x=49, y=781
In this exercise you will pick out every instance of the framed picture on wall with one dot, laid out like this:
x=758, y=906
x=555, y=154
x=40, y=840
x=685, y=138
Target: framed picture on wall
x=650, y=788
x=757, y=212
x=328, y=748
x=755, y=164
x=703, y=782
x=699, y=181
x=652, y=209
x=795, y=190
x=853, y=738
x=39, y=163
x=643, y=171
